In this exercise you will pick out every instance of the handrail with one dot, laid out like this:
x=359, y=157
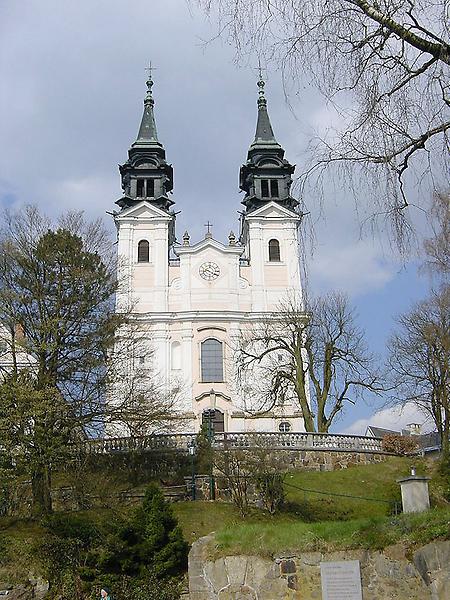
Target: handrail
x=238, y=440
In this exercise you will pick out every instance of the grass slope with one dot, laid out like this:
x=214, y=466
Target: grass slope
x=310, y=521
x=316, y=521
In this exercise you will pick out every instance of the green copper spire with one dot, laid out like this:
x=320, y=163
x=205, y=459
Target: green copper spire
x=264, y=131
x=146, y=175
x=266, y=176
x=147, y=131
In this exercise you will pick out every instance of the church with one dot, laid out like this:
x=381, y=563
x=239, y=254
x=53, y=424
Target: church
x=191, y=299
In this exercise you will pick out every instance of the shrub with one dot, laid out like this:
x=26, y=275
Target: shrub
x=147, y=586
x=399, y=444
x=74, y=527
x=152, y=538
x=271, y=489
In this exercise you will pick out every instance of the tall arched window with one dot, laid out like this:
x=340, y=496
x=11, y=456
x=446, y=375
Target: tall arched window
x=274, y=251
x=212, y=360
x=143, y=251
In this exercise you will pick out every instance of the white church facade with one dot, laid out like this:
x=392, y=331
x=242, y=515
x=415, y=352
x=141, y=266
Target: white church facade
x=190, y=299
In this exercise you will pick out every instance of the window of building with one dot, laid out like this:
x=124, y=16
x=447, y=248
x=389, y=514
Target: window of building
x=285, y=427
x=145, y=188
x=274, y=188
x=143, y=251
x=269, y=188
x=213, y=420
x=212, y=360
x=150, y=189
x=274, y=251
x=140, y=186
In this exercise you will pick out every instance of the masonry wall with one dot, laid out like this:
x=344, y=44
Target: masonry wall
x=388, y=574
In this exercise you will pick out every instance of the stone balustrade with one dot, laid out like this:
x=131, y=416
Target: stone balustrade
x=233, y=441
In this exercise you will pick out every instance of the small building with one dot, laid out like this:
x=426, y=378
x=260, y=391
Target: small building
x=12, y=354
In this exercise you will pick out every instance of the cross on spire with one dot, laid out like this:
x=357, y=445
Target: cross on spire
x=149, y=69
x=260, y=70
x=208, y=225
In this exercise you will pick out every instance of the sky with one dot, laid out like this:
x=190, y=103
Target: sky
x=72, y=84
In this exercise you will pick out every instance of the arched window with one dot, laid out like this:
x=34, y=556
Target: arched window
x=214, y=420
x=143, y=251
x=285, y=426
x=212, y=360
x=274, y=251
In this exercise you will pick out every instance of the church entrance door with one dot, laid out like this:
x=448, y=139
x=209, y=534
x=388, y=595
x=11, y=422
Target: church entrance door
x=214, y=420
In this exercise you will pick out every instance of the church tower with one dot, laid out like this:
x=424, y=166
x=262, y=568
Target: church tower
x=269, y=226
x=266, y=176
x=146, y=174
x=145, y=223
x=191, y=300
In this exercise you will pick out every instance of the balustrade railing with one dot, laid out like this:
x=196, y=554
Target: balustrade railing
x=231, y=441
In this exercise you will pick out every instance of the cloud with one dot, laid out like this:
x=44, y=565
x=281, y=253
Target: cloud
x=94, y=194
x=395, y=418
x=354, y=268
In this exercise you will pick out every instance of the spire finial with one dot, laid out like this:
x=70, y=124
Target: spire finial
x=261, y=83
x=147, y=131
x=149, y=97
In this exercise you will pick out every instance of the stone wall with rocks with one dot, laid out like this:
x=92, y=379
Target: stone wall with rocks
x=387, y=575
x=324, y=460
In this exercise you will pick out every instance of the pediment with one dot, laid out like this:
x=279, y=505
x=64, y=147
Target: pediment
x=143, y=210
x=209, y=244
x=273, y=210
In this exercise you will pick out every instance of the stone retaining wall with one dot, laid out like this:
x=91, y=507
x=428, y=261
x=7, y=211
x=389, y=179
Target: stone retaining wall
x=385, y=575
x=324, y=460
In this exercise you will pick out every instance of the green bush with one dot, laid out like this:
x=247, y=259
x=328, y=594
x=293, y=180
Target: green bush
x=130, y=555
x=150, y=539
x=148, y=586
x=74, y=527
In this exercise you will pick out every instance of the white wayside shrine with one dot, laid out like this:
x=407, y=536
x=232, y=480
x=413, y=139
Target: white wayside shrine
x=191, y=300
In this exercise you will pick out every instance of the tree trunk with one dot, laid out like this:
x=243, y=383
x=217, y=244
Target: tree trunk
x=41, y=490
x=445, y=450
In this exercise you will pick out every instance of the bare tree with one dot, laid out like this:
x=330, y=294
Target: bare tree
x=419, y=361
x=383, y=66
x=255, y=473
x=294, y=351
x=437, y=246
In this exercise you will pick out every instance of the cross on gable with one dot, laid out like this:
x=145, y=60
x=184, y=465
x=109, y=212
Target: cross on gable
x=208, y=225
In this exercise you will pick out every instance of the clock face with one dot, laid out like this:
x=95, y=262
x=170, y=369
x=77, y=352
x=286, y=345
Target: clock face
x=209, y=271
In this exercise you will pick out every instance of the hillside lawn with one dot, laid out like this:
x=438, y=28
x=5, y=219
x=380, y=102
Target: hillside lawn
x=308, y=522
x=313, y=521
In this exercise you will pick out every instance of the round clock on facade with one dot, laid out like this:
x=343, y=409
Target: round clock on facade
x=209, y=271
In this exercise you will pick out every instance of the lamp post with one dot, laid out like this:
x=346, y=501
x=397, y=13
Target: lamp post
x=191, y=448
x=210, y=414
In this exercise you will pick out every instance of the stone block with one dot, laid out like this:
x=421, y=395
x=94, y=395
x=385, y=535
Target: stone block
x=198, y=584
x=311, y=559
x=216, y=574
x=275, y=589
x=237, y=592
x=236, y=567
x=292, y=582
x=287, y=567
x=259, y=569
